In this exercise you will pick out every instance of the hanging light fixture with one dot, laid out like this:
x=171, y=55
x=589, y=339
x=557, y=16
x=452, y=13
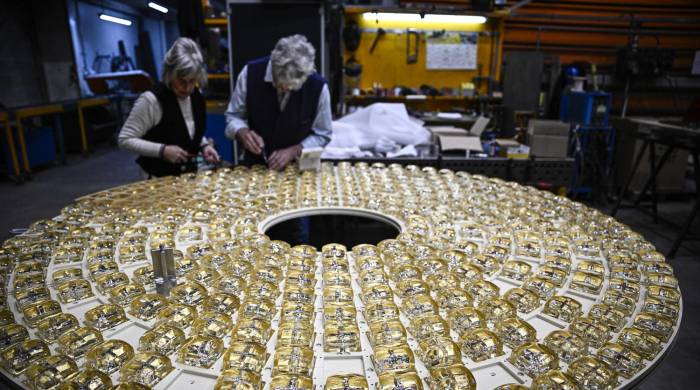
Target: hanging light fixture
x=114, y=19
x=434, y=18
x=158, y=7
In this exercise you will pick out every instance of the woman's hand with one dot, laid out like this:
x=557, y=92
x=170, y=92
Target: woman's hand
x=279, y=159
x=210, y=154
x=175, y=154
x=251, y=141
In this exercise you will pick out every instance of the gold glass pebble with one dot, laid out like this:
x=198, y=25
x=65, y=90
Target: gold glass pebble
x=293, y=361
x=147, y=368
x=590, y=372
x=481, y=344
x=105, y=316
x=254, y=330
x=621, y=358
x=654, y=324
x=124, y=294
x=35, y=312
x=164, y=339
x=595, y=333
x=456, y=377
x=235, y=379
x=109, y=356
x=11, y=334
x=177, y=314
x=50, y=372
x=111, y=280
x=566, y=345
x=201, y=351
x=534, y=359
x=440, y=351
x=88, y=378
x=515, y=332
x=245, y=356
x=396, y=359
x=341, y=337
x=554, y=379
x=291, y=382
x=18, y=357
x=644, y=343
x=524, y=300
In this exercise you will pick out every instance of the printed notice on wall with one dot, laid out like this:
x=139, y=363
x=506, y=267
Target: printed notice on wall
x=451, y=50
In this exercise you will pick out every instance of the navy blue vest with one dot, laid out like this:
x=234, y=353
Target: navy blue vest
x=279, y=129
x=171, y=130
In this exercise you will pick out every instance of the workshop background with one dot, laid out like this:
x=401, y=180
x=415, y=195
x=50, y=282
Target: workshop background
x=596, y=100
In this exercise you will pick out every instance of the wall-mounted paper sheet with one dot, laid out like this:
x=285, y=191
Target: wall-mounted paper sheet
x=451, y=50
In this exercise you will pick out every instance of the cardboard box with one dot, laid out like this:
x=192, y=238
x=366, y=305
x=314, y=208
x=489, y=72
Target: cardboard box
x=548, y=138
x=460, y=143
x=511, y=148
x=549, y=146
x=548, y=127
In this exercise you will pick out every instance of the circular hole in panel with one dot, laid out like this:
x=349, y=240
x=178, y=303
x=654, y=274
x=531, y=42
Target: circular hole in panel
x=318, y=227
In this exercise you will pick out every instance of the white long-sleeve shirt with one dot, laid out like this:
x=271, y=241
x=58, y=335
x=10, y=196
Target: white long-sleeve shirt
x=237, y=113
x=146, y=114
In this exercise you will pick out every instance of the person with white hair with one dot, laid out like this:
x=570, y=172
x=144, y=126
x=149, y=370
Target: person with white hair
x=280, y=105
x=166, y=124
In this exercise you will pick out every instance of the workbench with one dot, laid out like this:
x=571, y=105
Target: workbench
x=673, y=136
x=427, y=103
x=15, y=120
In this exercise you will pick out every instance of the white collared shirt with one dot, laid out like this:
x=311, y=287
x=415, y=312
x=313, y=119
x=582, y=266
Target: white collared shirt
x=237, y=113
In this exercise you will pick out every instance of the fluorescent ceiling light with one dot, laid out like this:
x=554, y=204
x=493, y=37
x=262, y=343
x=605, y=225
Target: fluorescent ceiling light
x=114, y=19
x=158, y=7
x=472, y=19
x=409, y=17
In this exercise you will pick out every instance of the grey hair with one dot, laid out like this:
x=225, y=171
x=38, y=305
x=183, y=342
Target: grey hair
x=292, y=60
x=184, y=60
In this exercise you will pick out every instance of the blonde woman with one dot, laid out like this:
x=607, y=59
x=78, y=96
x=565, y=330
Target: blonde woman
x=166, y=125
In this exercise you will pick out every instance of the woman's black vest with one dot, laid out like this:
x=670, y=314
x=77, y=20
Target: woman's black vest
x=171, y=130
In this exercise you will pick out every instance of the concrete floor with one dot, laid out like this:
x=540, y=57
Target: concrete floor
x=53, y=188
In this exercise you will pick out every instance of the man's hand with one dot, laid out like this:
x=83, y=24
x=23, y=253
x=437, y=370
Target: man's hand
x=279, y=159
x=175, y=154
x=251, y=141
x=210, y=154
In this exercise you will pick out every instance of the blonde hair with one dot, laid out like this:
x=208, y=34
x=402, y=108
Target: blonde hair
x=292, y=60
x=184, y=60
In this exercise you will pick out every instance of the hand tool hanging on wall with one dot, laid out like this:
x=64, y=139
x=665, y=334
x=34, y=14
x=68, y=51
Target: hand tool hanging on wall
x=351, y=36
x=352, y=67
x=412, y=57
x=380, y=34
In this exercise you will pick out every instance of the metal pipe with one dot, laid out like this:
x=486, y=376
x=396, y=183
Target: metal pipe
x=577, y=48
x=593, y=29
x=11, y=145
x=627, y=98
x=518, y=5
x=22, y=144
x=581, y=48
x=493, y=62
x=621, y=18
x=81, y=126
